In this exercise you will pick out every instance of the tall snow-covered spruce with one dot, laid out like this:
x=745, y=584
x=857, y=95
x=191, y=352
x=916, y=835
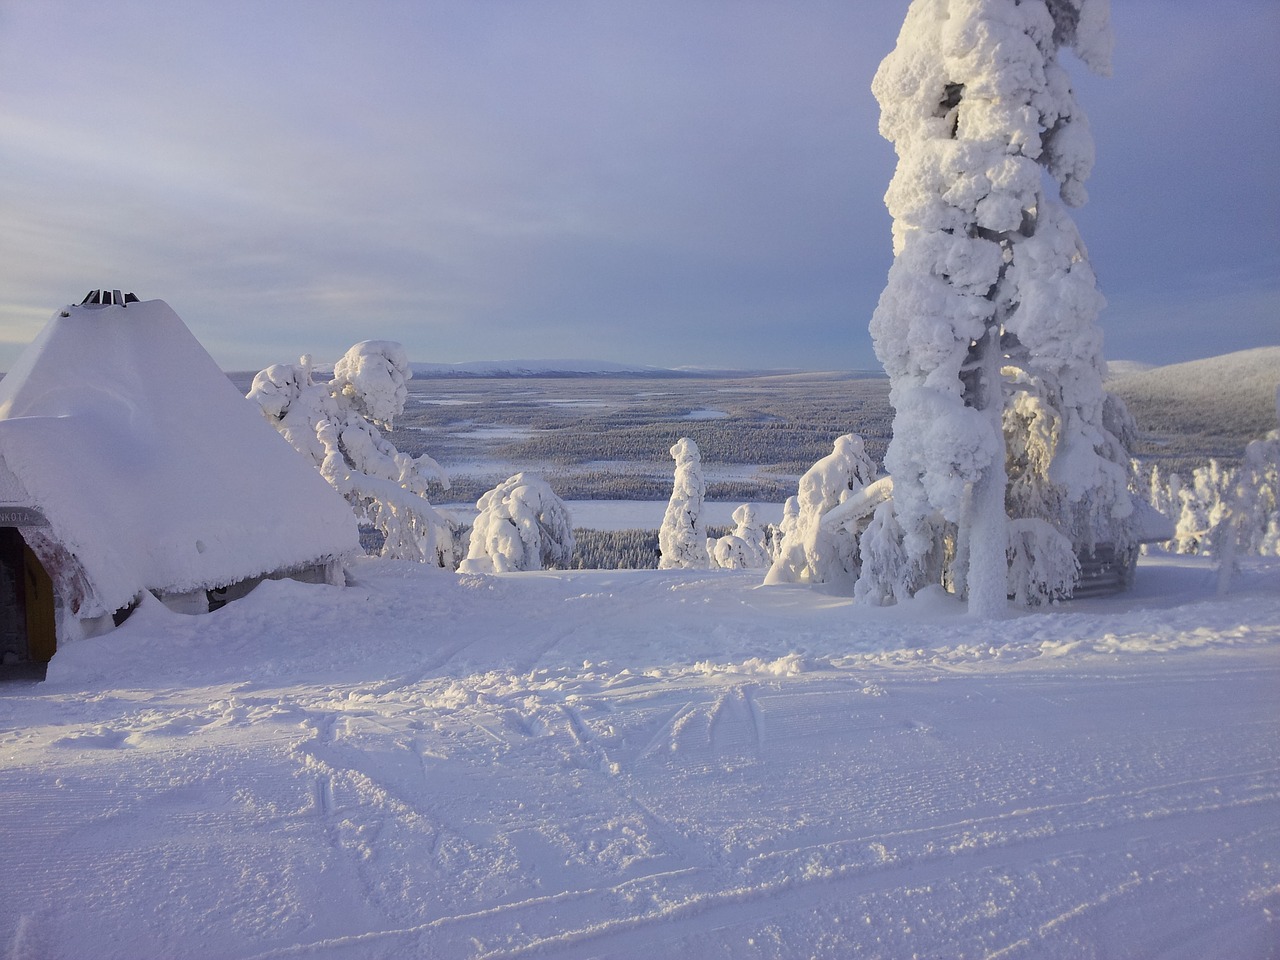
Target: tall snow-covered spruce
x=991, y=302
x=682, y=539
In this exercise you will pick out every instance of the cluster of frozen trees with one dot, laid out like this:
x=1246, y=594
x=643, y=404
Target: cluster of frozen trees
x=746, y=546
x=682, y=539
x=338, y=424
x=1225, y=512
x=817, y=541
x=841, y=529
x=1008, y=458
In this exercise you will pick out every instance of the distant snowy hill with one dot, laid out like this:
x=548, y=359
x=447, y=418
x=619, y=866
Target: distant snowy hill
x=1249, y=376
x=1124, y=368
x=537, y=368
x=1232, y=396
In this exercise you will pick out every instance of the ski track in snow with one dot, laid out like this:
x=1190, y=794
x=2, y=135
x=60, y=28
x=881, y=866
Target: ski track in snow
x=650, y=764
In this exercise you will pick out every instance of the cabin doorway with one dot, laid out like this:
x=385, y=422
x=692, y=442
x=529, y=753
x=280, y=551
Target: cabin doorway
x=27, y=621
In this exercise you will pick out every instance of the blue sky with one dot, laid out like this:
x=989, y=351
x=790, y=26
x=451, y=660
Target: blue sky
x=686, y=182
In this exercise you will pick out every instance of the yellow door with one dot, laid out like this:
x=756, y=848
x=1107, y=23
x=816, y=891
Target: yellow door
x=41, y=630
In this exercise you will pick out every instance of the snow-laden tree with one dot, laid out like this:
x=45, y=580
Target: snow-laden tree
x=522, y=525
x=1034, y=444
x=814, y=552
x=1256, y=498
x=990, y=274
x=1225, y=512
x=1162, y=494
x=889, y=574
x=682, y=538
x=1042, y=563
x=1203, y=506
x=785, y=529
x=743, y=548
x=1251, y=525
x=337, y=424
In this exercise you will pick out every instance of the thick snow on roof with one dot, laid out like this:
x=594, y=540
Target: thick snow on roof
x=151, y=468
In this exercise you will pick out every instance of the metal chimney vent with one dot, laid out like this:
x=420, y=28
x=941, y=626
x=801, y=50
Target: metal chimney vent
x=106, y=298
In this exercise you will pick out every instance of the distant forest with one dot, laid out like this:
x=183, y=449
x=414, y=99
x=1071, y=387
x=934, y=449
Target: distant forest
x=608, y=438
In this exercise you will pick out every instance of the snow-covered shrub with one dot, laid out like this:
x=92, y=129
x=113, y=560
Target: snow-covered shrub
x=990, y=273
x=522, y=525
x=1162, y=495
x=1202, y=507
x=1256, y=501
x=682, y=539
x=811, y=551
x=1222, y=509
x=336, y=423
x=786, y=528
x=744, y=547
x=1251, y=525
x=889, y=573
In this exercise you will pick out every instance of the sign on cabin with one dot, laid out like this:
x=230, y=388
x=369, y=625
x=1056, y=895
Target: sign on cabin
x=12, y=516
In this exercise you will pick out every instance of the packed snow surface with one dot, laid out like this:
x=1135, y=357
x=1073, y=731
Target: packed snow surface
x=651, y=764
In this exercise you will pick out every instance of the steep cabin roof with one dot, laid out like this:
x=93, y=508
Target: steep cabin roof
x=151, y=470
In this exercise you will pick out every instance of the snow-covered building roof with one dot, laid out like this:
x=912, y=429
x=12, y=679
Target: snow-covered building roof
x=145, y=467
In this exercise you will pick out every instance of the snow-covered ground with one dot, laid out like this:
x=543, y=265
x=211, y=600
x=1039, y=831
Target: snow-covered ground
x=651, y=764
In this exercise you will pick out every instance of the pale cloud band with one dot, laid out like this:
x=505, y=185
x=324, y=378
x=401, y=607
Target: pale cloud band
x=659, y=183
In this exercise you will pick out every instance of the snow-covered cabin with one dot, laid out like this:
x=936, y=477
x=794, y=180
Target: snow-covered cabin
x=130, y=463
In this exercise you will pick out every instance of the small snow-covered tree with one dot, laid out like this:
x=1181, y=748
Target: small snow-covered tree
x=744, y=547
x=337, y=424
x=990, y=273
x=889, y=573
x=1204, y=505
x=786, y=528
x=811, y=551
x=1257, y=500
x=1251, y=524
x=682, y=538
x=522, y=525
x=1161, y=494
